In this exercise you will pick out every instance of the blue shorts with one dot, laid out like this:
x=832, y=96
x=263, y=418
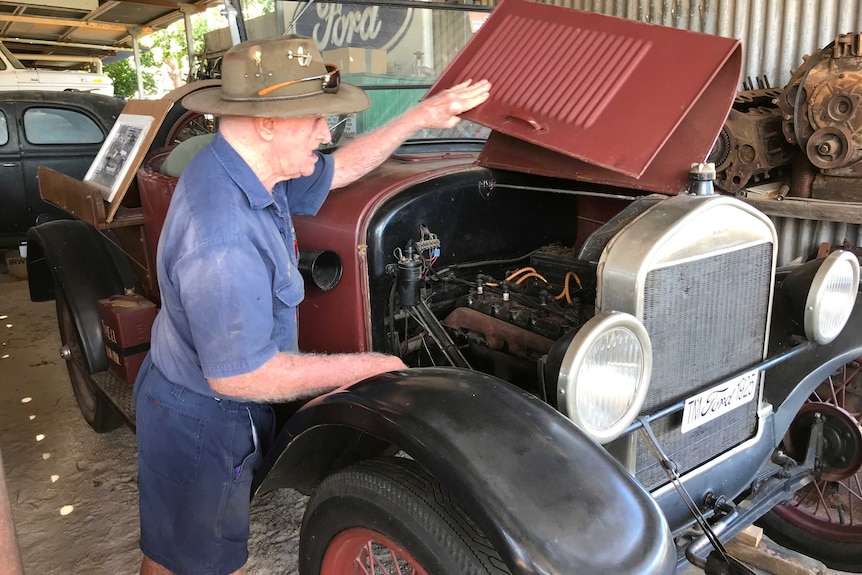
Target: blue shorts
x=196, y=458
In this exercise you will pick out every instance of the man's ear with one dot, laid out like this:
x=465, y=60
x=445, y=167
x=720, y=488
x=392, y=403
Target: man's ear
x=265, y=128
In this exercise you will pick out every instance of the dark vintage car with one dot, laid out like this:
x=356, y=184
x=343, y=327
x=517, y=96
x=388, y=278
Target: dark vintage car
x=611, y=372
x=61, y=130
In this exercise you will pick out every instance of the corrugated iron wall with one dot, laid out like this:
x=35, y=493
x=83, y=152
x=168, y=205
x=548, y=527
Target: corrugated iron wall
x=775, y=34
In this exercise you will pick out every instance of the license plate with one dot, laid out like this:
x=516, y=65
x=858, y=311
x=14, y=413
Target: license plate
x=715, y=402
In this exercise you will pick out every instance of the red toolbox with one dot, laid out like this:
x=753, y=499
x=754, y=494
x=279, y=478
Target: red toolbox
x=126, y=324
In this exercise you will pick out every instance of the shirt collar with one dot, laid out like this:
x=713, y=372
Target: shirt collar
x=241, y=173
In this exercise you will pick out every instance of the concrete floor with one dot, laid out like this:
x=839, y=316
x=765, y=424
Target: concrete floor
x=74, y=495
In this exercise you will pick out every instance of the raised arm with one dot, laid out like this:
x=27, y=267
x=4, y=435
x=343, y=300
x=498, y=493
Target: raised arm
x=366, y=152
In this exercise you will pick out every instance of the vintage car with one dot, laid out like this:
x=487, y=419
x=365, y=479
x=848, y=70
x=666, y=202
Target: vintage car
x=62, y=130
x=613, y=369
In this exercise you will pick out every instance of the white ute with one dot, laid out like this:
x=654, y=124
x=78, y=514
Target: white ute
x=15, y=76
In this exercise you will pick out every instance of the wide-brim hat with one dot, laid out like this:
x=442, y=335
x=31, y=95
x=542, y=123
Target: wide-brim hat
x=280, y=77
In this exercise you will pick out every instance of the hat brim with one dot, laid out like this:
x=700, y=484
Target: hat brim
x=348, y=100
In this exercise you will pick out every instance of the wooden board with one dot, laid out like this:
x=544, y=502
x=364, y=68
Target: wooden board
x=158, y=109
x=81, y=199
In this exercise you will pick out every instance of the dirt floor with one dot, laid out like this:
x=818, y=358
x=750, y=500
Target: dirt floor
x=74, y=493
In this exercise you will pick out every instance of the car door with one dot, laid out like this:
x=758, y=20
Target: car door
x=61, y=137
x=13, y=199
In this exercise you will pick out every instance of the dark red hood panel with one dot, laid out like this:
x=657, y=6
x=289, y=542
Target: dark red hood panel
x=608, y=91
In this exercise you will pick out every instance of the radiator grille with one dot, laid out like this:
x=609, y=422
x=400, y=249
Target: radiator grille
x=707, y=320
x=693, y=448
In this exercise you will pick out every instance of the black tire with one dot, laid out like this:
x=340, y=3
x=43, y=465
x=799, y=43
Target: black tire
x=394, y=499
x=95, y=407
x=839, y=555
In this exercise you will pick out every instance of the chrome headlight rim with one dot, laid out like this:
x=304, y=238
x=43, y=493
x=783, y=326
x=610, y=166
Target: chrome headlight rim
x=813, y=320
x=580, y=349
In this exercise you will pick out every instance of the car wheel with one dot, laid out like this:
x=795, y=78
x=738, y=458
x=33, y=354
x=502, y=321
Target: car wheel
x=824, y=519
x=388, y=516
x=96, y=409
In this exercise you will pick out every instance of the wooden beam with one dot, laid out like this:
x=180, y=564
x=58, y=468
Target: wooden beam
x=161, y=3
x=42, y=21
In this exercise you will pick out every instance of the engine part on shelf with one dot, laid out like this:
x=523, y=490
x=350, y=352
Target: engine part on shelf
x=751, y=145
x=822, y=107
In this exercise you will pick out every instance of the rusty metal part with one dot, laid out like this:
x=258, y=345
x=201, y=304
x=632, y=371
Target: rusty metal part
x=830, y=147
x=801, y=176
x=751, y=146
x=497, y=333
x=842, y=439
x=821, y=108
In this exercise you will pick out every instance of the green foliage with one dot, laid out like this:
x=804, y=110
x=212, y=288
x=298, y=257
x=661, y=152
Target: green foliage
x=164, y=57
x=125, y=80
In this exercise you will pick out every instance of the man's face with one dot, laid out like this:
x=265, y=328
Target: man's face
x=296, y=141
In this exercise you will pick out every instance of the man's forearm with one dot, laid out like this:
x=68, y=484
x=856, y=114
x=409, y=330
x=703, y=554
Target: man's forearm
x=294, y=376
x=360, y=156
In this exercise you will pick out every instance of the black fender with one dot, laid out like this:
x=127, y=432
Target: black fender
x=72, y=258
x=550, y=499
x=789, y=384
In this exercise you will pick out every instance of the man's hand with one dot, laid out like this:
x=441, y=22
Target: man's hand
x=442, y=109
x=354, y=160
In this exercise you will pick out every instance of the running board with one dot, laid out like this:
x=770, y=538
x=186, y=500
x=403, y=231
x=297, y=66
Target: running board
x=118, y=393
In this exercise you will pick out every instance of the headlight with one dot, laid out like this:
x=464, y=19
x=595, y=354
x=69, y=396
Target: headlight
x=821, y=294
x=605, y=374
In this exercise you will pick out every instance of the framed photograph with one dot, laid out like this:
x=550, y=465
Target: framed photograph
x=114, y=159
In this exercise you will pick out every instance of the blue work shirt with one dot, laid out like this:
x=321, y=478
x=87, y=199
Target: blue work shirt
x=227, y=268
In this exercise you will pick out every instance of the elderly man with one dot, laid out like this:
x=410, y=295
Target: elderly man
x=225, y=340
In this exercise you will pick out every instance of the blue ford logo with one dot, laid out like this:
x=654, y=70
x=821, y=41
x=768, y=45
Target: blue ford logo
x=339, y=26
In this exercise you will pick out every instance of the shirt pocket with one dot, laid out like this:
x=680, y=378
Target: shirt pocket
x=289, y=292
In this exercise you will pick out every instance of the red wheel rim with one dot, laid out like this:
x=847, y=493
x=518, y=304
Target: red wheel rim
x=361, y=551
x=832, y=509
x=188, y=125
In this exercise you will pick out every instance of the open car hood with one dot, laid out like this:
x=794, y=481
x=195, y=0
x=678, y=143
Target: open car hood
x=594, y=98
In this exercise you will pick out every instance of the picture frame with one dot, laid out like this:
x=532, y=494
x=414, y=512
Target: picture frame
x=115, y=158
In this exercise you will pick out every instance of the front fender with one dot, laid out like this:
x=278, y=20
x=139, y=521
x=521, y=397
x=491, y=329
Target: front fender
x=73, y=256
x=549, y=498
x=790, y=384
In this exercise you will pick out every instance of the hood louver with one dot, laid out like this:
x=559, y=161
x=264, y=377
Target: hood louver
x=596, y=98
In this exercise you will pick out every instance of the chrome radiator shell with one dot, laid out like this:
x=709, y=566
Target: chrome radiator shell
x=699, y=273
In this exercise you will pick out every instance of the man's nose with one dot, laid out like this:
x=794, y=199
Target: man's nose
x=323, y=133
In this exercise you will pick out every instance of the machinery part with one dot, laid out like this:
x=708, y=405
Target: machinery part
x=388, y=516
x=750, y=147
x=498, y=334
x=700, y=178
x=322, y=268
x=842, y=435
x=824, y=519
x=95, y=407
x=830, y=147
x=821, y=107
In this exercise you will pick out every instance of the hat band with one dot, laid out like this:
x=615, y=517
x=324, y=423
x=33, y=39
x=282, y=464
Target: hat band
x=269, y=98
